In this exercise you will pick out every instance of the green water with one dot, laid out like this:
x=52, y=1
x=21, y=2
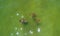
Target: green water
x=48, y=11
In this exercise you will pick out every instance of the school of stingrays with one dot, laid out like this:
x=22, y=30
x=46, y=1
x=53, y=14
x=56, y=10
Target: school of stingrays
x=24, y=21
